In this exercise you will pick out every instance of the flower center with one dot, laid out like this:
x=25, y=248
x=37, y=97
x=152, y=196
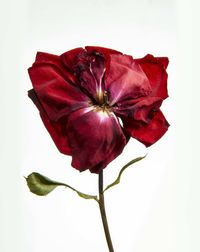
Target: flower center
x=101, y=101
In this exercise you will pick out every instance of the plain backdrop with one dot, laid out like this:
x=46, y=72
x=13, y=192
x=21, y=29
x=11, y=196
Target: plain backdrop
x=156, y=207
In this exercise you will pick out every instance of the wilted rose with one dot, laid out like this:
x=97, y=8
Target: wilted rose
x=83, y=94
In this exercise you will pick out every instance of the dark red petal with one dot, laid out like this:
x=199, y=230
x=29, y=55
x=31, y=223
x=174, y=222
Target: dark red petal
x=103, y=50
x=164, y=61
x=154, y=69
x=106, y=52
x=88, y=68
x=70, y=58
x=58, y=133
x=89, y=65
x=56, y=95
x=42, y=57
x=140, y=109
x=96, y=139
x=144, y=110
x=57, y=130
x=147, y=133
x=125, y=79
x=90, y=71
x=51, y=59
x=98, y=68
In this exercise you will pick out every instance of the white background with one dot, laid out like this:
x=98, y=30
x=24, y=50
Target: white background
x=156, y=207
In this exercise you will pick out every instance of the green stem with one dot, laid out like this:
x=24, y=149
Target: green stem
x=103, y=213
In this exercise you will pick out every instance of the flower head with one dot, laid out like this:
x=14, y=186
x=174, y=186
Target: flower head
x=82, y=94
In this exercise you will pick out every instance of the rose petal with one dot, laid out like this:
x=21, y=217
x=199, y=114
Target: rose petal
x=106, y=52
x=89, y=65
x=51, y=59
x=164, y=61
x=147, y=133
x=56, y=95
x=140, y=109
x=89, y=68
x=70, y=58
x=144, y=110
x=98, y=68
x=42, y=57
x=90, y=71
x=103, y=50
x=96, y=139
x=125, y=79
x=154, y=69
x=57, y=130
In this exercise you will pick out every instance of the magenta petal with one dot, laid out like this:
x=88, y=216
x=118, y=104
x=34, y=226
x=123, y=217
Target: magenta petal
x=56, y=95
x=155, y=70
x=96, y=139
x=147, y=133
x=125, y=79
x=57, y=130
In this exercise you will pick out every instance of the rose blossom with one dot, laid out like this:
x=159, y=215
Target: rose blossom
x=82, y=94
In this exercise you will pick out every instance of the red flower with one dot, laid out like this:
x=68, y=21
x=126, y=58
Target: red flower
x=82, y=94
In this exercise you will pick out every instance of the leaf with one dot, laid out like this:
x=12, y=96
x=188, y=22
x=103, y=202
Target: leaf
x=117, y=181
x=41, y=185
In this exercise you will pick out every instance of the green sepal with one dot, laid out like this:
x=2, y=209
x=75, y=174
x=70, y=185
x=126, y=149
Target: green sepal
x=41, y=185
x=117, y=180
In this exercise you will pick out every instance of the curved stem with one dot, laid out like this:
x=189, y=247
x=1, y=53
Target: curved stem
x=103, y=213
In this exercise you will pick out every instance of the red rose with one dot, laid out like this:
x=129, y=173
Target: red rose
x=82, y=94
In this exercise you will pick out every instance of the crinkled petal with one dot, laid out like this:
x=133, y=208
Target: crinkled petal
x=71, y=57
x=43, y=57
x=164, y=61
x=90, y=71
x=147, y=133
x=125, y=80
x=155, y=70
x=51, y=59
x=97, y=66
x=103, y=50
x=57, y=96
x=141, y=108
x=144, y=110
x=96, y=138
x=57, y=130
x=89, y=65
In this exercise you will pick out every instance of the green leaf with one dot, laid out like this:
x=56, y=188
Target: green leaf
x=117, y=180
x=41, y=185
